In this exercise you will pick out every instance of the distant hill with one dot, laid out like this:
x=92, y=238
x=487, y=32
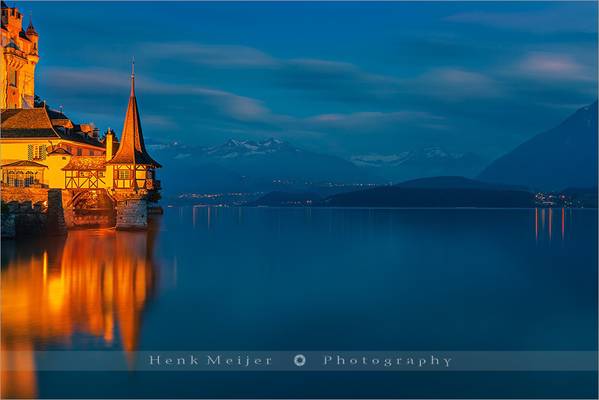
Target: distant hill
x=454, y=182
x=424, y=162
x=252, y=165
x=286, y=199
x=585, y=197
x=398, y=196
x=565, y=156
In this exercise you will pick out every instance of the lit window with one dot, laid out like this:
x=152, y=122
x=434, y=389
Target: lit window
x=124, y=174
x=12, y=78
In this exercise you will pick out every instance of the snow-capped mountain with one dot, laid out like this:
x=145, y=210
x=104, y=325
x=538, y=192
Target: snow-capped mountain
x=428, y=161
x=248, y=148
x=248, y=164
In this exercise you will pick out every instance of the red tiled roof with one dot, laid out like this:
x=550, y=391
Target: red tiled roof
x=26, y=123
x=85, y=163
x=29, y=123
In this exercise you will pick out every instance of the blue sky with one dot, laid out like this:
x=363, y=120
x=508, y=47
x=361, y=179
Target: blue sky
x=341, y=78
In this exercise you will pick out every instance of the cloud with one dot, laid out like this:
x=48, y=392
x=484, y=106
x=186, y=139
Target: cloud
x=229, y=56
x=336, y=80
x=563, y=18
x=545, y=65
x=159, y=121
x=95, y=80
x=452, y=84
x=367, y=121
x=333, y=80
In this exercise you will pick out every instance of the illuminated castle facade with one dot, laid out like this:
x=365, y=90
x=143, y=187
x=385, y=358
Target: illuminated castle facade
x=42, y=148
x=19, y=59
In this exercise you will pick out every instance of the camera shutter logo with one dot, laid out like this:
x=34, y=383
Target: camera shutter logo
x=299, y=360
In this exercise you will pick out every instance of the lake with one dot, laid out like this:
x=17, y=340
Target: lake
x=301, y=279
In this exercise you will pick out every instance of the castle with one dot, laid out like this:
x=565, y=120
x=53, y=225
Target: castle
x=42, y=148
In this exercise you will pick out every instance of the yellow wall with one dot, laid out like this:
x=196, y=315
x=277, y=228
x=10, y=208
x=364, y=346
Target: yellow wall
x=15, y=150
x=54, y=176
x=12, y=150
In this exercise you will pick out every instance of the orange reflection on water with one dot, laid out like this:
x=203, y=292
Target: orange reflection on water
x=94, y=283
x=547, y=232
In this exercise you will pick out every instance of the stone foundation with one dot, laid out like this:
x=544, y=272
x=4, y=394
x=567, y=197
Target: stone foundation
x=132, y=214
x=23, y=219
x=21, y=194
x=55, y=219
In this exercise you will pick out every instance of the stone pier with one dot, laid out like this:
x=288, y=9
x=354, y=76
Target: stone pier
x=131, y=214
x=55, y=220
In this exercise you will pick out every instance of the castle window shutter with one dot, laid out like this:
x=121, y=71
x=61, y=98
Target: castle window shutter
x=44, y=152
x=30, y=152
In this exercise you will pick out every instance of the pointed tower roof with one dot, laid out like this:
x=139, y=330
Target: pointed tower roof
x=31, y=29
x=132, y=149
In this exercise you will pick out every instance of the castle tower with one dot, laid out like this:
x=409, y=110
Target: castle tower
x=133, y=170
x=18, y=61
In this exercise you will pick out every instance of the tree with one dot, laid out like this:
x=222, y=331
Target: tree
x=38, y=102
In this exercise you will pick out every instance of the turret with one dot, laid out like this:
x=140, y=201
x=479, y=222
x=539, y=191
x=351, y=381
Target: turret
x=19, y=59
x=108, y=142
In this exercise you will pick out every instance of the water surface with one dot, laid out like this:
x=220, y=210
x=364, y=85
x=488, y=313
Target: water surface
x=308, y=279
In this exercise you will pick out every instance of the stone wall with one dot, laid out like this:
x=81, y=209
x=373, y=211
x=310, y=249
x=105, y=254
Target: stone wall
x=8, y=227
x=132, y=214
x=55, y=215
x=22, y=217
x=20, y=195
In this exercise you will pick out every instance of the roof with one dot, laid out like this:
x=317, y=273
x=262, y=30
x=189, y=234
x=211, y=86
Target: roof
x=25, y=163
x=59, y=150
x=31, y=29
x=22, y=123
x=85, y=163
x=53, y=114
x=26, y=123
x=132, y=149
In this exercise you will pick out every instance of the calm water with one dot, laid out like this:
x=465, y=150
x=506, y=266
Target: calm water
x=308, y=279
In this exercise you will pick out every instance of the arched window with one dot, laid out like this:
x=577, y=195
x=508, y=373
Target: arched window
x=19, y=179
x=11, y=178
x=28, y=178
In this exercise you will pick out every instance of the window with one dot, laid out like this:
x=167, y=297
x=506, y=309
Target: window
x=124, y=174
x=12, y=78
x=11, y=178
x=29, y=179
x=79, y=152
x=39, y=152
x=91, y=152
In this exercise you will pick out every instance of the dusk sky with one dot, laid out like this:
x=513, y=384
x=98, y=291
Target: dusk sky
x=341, y=78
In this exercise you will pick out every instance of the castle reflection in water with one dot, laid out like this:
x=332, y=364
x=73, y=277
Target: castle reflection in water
x=94, y=284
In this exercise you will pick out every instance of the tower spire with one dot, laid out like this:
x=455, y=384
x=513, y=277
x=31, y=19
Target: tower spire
x=132, y=150
x=133, y=77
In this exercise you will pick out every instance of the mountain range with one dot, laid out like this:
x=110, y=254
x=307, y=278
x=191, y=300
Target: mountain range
x=444, y=191
x=564, y=156
x=425, y=162
x=246, y=165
